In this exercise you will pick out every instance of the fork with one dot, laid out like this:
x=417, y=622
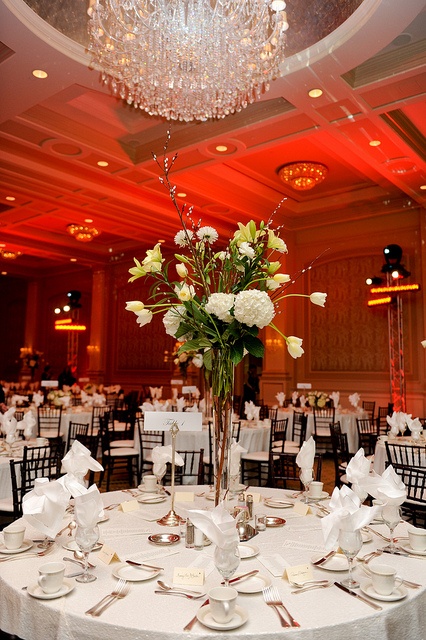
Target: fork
x=313, y=586
x=36, y=554
x=118, y=589
x=272, y=598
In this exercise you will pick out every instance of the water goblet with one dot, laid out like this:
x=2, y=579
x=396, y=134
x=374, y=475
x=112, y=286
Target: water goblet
x=306, y=476
x=227, y=560
x=391, y=514
x=350, y=543
x=86, y=538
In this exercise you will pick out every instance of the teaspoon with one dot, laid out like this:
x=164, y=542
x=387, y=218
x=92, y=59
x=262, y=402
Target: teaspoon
x=167, y=587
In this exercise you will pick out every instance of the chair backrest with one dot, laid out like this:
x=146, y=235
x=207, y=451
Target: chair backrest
x=323, y=418
x=236, y=428
x=76, y=431
x=278, y=435
x=339, y=443
x=382, y=425
x=283, y=469
x=97, y=414
x=414, y=479
x=367, y=435
x=300, y=422
x=49, y=421
x=16, y=474
x=365, y=425
x=192, y=471
x=41, y=462
x=400, y=454
x=147, y=441
x=369, y=407
x=123, y=424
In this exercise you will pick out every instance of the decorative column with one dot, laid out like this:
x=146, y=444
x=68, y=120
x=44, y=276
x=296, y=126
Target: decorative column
x=96, y=346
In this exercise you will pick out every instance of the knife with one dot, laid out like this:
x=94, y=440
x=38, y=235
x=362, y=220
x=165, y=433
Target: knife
x=243, y=577
x=356, y=595
x=324, y=558
x=193, y=620
x=396, y=552
x=142, y=565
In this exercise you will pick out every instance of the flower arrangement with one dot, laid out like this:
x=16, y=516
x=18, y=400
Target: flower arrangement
x=317, y=399
x=89, y=388
x=56, y=397
x=184, y=358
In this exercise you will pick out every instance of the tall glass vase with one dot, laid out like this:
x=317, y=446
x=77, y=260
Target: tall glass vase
x=222, y=382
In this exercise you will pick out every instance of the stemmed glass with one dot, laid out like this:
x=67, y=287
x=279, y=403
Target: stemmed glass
x=391, y=514
x=306, y=476
x=350, y=543
x=227, y=560
x=86, y=538
x=159, y=477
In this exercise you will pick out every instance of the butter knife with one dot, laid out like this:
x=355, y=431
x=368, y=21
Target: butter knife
x=396, y=552
x=243, y=576
x=142, y=565
x=356, y=595
x=328, y=555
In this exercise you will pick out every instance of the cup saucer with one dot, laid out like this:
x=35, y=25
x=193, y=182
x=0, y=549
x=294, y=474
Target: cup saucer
x=238, y=619
x=145, y=489
x=37, y=592
x=415, y=552
x=397, y=594
x=27, y=544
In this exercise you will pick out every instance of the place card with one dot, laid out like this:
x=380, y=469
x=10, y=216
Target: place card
x=302, y=508
x=188, y=575
x=163, y=420
x=108, y=555
x=129, y=505
x=184, y=496
x=256, y=497
x=301, y=573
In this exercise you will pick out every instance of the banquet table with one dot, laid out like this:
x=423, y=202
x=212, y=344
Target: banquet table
x=380, y=457
x=142, y=614
x=346, y=417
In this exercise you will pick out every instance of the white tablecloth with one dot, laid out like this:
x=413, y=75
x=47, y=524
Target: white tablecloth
x=326, y=613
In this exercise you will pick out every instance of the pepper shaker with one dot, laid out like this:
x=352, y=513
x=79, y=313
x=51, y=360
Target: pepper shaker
x=189, y=538
x=249, y=504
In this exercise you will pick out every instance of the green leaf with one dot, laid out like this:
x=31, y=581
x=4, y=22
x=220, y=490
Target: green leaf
x=237, y=352
x=254, y=346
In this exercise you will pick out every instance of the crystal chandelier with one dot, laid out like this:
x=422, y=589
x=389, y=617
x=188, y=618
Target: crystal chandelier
x=188, y=59
x=82, y=233
x=303, y=175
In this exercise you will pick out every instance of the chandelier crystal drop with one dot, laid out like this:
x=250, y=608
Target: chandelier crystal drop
x=82, y=233
x=188, y=59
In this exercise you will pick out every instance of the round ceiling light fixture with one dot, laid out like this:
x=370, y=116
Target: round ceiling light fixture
x=303, y=175
x=82, y=233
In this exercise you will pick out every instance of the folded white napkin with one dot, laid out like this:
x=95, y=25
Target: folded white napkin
x=79, y=461
x=280, y=396
x=45, y=506
x=415, y=427
x=174, y=393
x=354, y=399
x=38, y=398
x=398, y=422
x=252, y=412
x=335, y=396
x=387, y=488
x=86, y=399
x=294, y=397
x=146, y=406
x=218, y=525
x=88, y=507
x=358, y=467
x=28, y=423
x=235, y=458
x=98, y=400
x=161, y=456
x=5, y=419
x=346, y=512
x=17, y=399
x=180, y=403
x=194, y=408
x=156, y=392
x=305, y=460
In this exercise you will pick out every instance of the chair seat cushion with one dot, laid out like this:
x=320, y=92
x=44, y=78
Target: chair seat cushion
x=122, y=443
x=121, y=452
x=6, y=504
x=49, y=433
x=323, y=432
x=256, y=456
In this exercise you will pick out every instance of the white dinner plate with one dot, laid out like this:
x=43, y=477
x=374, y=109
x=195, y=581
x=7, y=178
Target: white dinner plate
x=323, y=496
x=278, y=504
x=37, y=592
x=27, y=544
x=253, y=584
x=238, y=619
x=134, y=574
x=397, y=594
x=410, y=549
x=338, y=562
x=366, y=537
x=247, y=551
x=73, y=546
x=151, y=499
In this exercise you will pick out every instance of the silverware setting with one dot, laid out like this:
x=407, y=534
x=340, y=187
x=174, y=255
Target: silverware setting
x=313, y=586
x=244, y=576
x=121, y=590
x=35, y=554
x=324, y=559
x=273, y=599
x=356, y=595
x=167, y=587
x=193, y=620
x=307, y=583
x=143, y=565
x=181, y=594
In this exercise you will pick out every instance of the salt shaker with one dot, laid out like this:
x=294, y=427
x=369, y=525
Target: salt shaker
x=189, y=538
x=249, y=504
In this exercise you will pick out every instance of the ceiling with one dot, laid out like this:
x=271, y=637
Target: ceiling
x=53, y=132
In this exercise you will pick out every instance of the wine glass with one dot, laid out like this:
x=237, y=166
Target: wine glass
x=86, y=538
x=350, y=543
x=227, y=560
x=391, y=514
x=306, y=476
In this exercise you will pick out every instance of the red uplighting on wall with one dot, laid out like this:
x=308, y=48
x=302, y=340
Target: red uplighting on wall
x=396, y=288
x=375, y=303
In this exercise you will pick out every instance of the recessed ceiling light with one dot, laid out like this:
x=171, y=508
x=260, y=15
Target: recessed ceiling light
x=57, y=311
x=374, y=143
x=181, y=195
x=161, y=241
x=315, y=93
x=10, y=198
x=102, y=163
x=4, y=273
x=2, y=244
x=423, y=187
x=88, y=220
x=73, y=259
x=39, y=73
x=221, y=148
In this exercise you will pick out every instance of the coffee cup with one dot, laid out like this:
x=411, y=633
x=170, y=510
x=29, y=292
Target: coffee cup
x=40, y=442
x=150, y=483
x=417, y=539
x=315, y=489
x=222, y=603
x=51, y=576
x=13, y=536
x=384, y=579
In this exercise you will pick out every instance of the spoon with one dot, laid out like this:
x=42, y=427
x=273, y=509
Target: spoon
x=79, y=562
x=301, y=585
x=167, y=587
x=312, y=587
x=71, y=526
